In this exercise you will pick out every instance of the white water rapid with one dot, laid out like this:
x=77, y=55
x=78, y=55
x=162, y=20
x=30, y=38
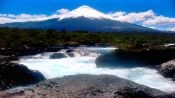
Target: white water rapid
x=83, y=62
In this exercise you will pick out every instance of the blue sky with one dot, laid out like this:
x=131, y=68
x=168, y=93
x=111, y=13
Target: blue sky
x=159, y=14
x=160, y=7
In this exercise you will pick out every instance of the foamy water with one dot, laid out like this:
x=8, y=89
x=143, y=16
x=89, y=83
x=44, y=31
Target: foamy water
x=85, y=64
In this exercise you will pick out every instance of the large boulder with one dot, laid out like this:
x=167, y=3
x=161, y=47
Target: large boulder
x=150, y=58
x=168, y=69
x=86, y=86
x=12, y=75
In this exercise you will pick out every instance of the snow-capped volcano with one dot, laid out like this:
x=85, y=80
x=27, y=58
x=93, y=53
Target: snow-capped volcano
x=84, y=11
x=83, y=18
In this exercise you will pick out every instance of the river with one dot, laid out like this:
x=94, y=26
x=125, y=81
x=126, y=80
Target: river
x=83, y=62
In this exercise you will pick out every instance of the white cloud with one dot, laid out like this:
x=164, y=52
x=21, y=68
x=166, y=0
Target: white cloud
x=5, y=20
x=160, y=20
x=117, y=14
x=8, y=18
x=171, y=29
x=63, y=11
x=147, y=18
x=153, y=27
x=133, y=16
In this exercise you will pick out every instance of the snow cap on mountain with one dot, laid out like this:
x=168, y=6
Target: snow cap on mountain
x=84, y=11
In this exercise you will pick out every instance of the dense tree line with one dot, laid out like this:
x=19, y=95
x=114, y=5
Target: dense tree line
x=19, y=38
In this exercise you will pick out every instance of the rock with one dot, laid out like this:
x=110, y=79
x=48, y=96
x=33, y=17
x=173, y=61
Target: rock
x=71, y=54
x=57, y=56
x=149, y=58
x=12, y=75
x=168, y=69
x=87, y=86
x=23, y=50
x=69, y=51
x=54, y=48
x=132, y=93
x=4, y=58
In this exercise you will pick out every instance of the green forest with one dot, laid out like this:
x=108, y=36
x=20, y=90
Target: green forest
x=19, y=38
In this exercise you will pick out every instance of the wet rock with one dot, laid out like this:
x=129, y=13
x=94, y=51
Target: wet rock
x=168, y=69
x=54, y=48
x=149, y=58
x=136, y=93
x=57, y=56
x=87, y=86
x=69, y=51
x=12, y=75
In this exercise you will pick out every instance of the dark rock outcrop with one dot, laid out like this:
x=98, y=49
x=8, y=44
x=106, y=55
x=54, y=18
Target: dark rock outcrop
x=86, y=86
x=12, y=75
x=4, y=58
x=150, y=58
x=168, y=69
x=57, y=56
x=70, y=51
x=30, y=50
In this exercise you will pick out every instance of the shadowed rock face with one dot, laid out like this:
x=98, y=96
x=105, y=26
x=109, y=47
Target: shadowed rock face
x=168, y=69
x=86, y=86
x=12, y=75
x=149, y=58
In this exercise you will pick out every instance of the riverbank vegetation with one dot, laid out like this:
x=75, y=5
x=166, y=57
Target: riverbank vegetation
x=13, y=38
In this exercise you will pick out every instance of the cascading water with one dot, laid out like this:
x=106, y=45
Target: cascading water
x=82, y=61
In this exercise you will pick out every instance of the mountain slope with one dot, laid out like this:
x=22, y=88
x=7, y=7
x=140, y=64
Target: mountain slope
x=81, y=23
x=83, y=18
